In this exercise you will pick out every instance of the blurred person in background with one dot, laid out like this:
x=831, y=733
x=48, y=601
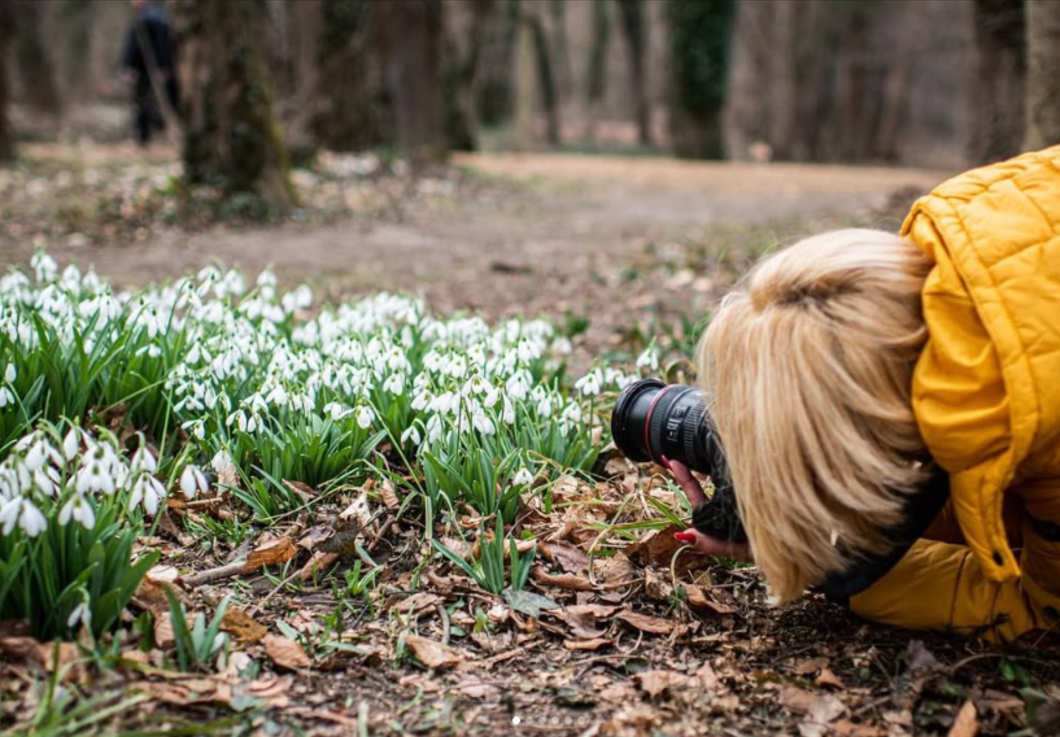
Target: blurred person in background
x=149, y=51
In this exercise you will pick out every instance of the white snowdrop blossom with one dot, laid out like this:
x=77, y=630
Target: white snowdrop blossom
x=10, y=373
x=411, y=435
x=79, y=510
x=365, y=416
x=522, y=477
x=192, y=482
x=81, y=614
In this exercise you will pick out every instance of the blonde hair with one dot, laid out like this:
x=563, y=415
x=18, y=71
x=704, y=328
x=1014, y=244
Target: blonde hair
x=809, y=366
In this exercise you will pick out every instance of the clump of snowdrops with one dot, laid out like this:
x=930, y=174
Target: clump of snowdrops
x=72, y=504
x=250, y=377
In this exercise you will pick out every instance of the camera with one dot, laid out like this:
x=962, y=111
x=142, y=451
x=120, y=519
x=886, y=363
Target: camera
x=652, y=420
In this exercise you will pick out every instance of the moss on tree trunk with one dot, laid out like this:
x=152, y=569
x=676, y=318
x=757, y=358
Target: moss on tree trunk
x=231, y=136
x=699, y=47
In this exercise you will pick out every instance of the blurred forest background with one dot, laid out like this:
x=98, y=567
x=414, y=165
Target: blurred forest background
x=930, y=83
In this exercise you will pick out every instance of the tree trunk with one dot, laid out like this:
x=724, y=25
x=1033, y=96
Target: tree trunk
x=524, y=77
x=344, y=113
x=561, y=46
x=1043, y=74
x=545, y=77
x=635, y=30
x=413, y=44
x=231, y=137
x=34, y=62
x=699, y=50
x=997, y=88
x=7, y=30
x=461, y=74
x=596, y=74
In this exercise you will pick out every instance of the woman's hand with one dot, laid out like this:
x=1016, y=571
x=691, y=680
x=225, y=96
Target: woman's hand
x=695, y=538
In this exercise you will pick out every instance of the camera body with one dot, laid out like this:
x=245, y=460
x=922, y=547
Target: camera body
x=652, y=420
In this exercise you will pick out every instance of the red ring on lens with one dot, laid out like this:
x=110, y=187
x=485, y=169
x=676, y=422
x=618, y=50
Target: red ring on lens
x=647, y=420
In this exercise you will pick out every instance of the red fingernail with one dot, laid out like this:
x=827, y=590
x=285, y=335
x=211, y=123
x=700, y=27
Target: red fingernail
x=685, y=537
x=666, y=462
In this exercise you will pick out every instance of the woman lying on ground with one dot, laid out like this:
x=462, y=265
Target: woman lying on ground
x=869, y=388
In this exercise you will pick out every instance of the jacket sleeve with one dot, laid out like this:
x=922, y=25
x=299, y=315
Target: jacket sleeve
x=942, y=586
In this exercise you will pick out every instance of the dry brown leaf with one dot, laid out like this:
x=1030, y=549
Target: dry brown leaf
x=967, y=722
x=846, y=728
x=304, y=491
x=654, y=682
x=830, y=679
x=656, y=587
x=582, y=618
x=22, y=648
x=569, y=581
x=433, y=654
x=708, y=679
x=358, y=510
x=418, y=602
x=164, y=630
x=229, y=476
x=646, y=623
x=312, y=538
x=567, y=558
x=658, y=548
x=810, y=666
x=242, y=626
x=615, y=572
x=697, y=598
x=594, y=644
x=820, y=708
x=317, y=564
x=389, y=495
x=285, y=652
x=270, y=553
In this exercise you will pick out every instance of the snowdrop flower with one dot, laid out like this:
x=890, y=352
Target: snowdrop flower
x=44, y=267
x=522, y=477
x=364, y=417
x=81, y=613
x=144, y=460
x=336, y=411
x=434, y=429
x=93, y=477
x=589, y=385
x=422, y=400
x=6, y=397
x=25, y=514
x=483, y=423
x=78, y=509
x=10, y=373
x=192, y=481
x=648, y=359
x=148, y=490
x=395, y=384
x=71, y=443
x=221, y=461
x=412, y=435
x=508, y=415
x=456, y=367
x=518, y=385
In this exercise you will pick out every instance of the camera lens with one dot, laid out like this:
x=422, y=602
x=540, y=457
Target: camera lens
x=652, y=420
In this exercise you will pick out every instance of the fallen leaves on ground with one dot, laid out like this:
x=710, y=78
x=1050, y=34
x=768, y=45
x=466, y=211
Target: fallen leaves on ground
x=433, y=654
x=285, y=652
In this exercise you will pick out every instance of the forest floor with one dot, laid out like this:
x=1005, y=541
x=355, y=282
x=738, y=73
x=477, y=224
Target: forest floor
x=648, y=641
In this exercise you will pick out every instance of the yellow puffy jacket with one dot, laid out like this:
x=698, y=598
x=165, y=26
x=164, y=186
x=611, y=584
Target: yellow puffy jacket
x=986, y=393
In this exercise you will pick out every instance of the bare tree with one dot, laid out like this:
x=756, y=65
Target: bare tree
x=412, y=46
x=7, y=31
x=231, y=136
x=596, y=73
x=1043, y=74
x=34, y=60
x=635, y=30
x=997, y=86
x=344, y=116
x=699, y=48
x=463, y=54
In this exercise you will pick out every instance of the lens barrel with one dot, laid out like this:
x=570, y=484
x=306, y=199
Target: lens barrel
x=652, y=420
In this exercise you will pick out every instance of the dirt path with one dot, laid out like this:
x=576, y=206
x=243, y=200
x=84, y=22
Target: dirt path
x=511, y=250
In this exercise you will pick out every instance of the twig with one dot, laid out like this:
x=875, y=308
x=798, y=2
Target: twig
x=445, y=622
x=215, y=574
x=257, y=607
